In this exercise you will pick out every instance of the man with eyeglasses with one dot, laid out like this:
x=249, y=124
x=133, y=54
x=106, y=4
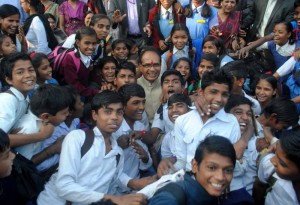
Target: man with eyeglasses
x=150, y=65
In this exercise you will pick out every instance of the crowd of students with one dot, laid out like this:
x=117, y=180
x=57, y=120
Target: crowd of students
x=109, y=98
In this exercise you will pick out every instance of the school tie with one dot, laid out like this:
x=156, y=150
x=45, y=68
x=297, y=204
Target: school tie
x=168, y=14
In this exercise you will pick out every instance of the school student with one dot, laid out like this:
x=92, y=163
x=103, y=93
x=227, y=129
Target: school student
x=215, y=89
x=87, y=179
x=48, y=105
x=48, y=155
x=20, y=75
x=136, y=155
x=178, y=104
x=238, y=70
x=125, y=73
x=282, y=171
x=212, y=170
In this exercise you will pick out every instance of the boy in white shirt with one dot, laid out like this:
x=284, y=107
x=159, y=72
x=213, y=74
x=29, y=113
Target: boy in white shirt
x=87, y=179
x=48, y=105
x=136, y=154
x=191, y=128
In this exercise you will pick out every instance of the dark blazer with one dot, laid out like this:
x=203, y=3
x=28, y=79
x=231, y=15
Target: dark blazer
x=143, y=9
x=283, y=11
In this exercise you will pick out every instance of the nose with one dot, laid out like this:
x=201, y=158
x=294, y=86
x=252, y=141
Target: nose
x=218, y=97
x=126, y=79
x=114, y=116
x=245, y=116
x=219, y=175
x=12, y=156
x=142, y=106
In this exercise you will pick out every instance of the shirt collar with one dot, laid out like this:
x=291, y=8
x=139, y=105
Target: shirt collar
x=286, y=47
x=36, y=118
x=114, y=144
x=184, y=50
x=199, y=8
x=18, y=94
x=221, y=115
x=85, y=59
x=163, y=10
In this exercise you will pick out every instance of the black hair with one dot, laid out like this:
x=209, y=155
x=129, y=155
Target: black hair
x=104, y=99
x=7, y=10
x=290, y=144
x=267, y=77
x=296, y=4
x=4, y=141
x=8, y=63
x=37, y=60
x=148, y=49
x=87, y=116
x=289, y=29
x=236, y=100
x=236, y=2
x=51, y=16
x=190, y=65
x=216, y=76
x=211, y=57
x=73, y=93
x=102, y=62
x=84, y=31
x=215, y=144
x=2, y=37
x=119, y=41
x=179, y=27
x=285, y=110
x=236, y=68
x=98, y=17
x=130, y=43
x=206, y=10
x=104, y=202
x=37, y=6
x=179, y=97
x=87, y=13
x=171, y=72
x=217, y=41
x=49, y=99
x=130, y=90
x=127, y=66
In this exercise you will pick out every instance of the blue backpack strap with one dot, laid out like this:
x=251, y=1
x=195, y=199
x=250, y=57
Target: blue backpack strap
x=177, y=192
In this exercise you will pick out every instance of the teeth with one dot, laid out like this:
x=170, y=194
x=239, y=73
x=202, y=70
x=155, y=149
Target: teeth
x=242, y=124
x=175, y=116
x=29, y=82
x=215, y=105
x=216, y=185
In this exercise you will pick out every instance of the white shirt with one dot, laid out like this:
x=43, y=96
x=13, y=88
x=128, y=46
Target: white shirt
x=13, y=107
x=29, y=124
x=190, y=130
x=270, y=6
x=86, y=60
x=282, y=192
x=255, y=104
x=165, y=125
x=37, y=38
x=177, y=53
x=61, y=130
x=285, y=50
x=83, y=180
x=287, y=67
x=167, y=145
x=163, y=12
x=132, y=163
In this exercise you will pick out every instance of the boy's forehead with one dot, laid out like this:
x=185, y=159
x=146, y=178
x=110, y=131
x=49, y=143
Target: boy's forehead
x=22, y=64
x=178, y=103
x=172, y=77
x=218, y=86
x=113, y=106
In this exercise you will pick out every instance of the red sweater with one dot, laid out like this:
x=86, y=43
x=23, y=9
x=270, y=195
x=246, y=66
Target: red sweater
x=77, y=79
x=154, y=24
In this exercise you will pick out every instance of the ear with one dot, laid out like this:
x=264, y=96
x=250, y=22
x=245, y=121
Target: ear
x=199, y=91
x=240, y=82
x=8, y=80
x=44, y=117
x=77, y=42
x=194, y=166
x=273, y=118
x=274, y=92
x=94, y=115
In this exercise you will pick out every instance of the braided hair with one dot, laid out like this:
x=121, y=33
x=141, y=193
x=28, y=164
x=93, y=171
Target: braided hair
x=179, y=27
x=206, y=11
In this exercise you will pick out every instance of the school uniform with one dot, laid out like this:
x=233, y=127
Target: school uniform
x=282, y=191
x=199, y=27
x=29, y=124
x=167, y=145
x=193, y=191
x=280, y=53
x=190, y=130
x=132, y=163
x=153, y=92
x=83, y=180
x=78, y=79
x=61, y=130
x=164, y=124
x=176, y=54
x=13, y=107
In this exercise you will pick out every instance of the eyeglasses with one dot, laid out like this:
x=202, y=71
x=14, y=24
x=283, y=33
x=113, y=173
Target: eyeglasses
x=154, y=65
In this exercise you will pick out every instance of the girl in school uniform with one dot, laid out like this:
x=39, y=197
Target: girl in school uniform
x=181, y=46
x=162, y=17
x=201, y=20
x=184, y=66
x=77, y=65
